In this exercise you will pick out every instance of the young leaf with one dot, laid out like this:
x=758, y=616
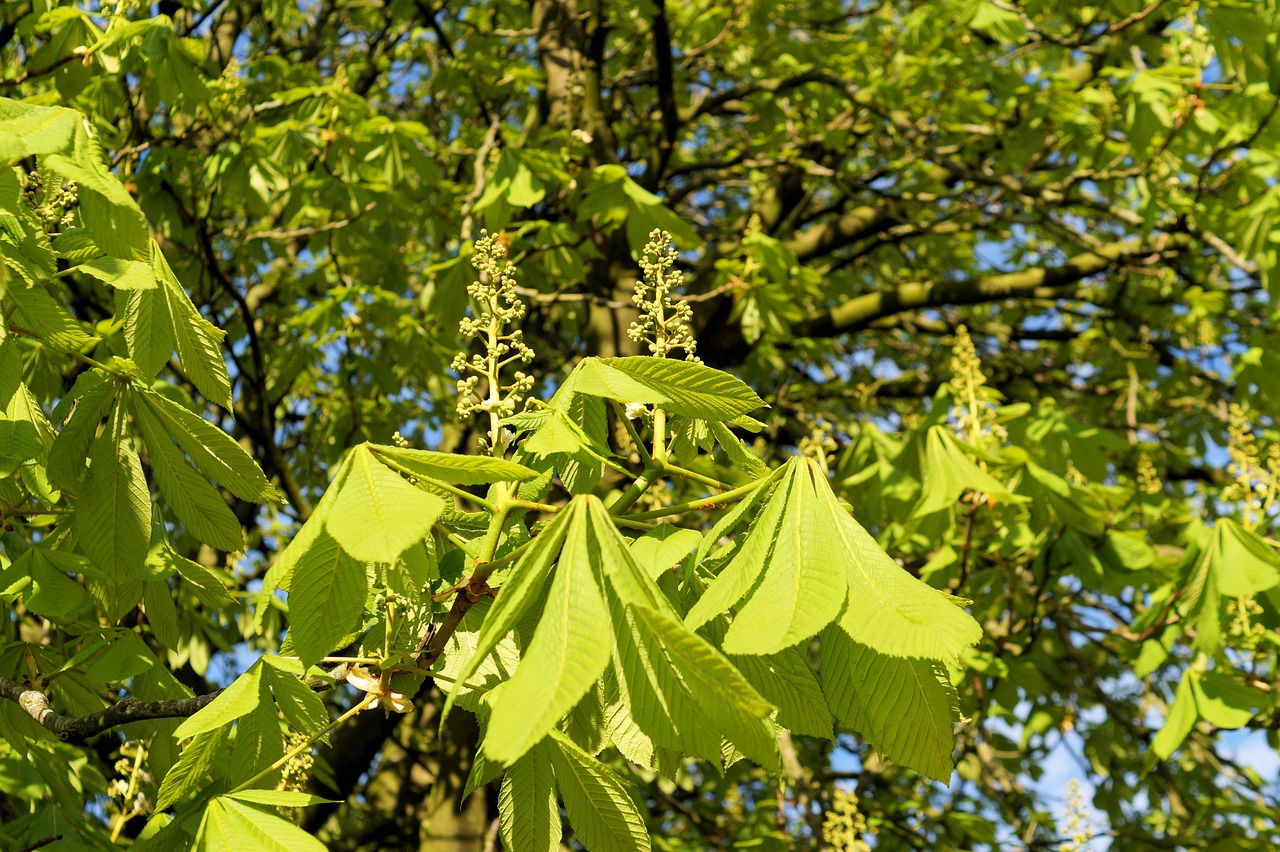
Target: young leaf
x=35, y=310
x=197, y=504
x=787, y=682
x=236, y=700
x=326, y=597
x=197, y=339
x=564, y=658
x=803, y=586
x=67, y=456
x=948, y=473
x=215, y=453
x=680, y=690
x=528, y=813
x=377, y=514
x=1180, y=720
x=681, y=387
x=231, y=826
x=198, y=760
x=603, y=815
x=514, y=596
x=905, y=708
x=448, y=467
x=113, y=515
x=301, y=707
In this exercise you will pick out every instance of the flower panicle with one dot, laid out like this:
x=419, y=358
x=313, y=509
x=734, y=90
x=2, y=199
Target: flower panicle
x=481, y=385
x=664, y=323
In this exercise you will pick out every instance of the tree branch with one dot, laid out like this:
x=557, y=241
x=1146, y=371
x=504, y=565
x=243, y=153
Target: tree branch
x=75, y=728
x=863, y=310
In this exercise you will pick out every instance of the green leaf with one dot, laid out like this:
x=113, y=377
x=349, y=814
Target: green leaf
x=215, y=453
x=377, y=514
x=113, y=514
x=197, y=339
x=71, y=447
x=447, y=467
x=259, y=742
x=528, y=813
x=301, y=707
x=148, y=325
x=35, y=310
x=681, y=387
x=119, y=273
x=326, y=597
x=603, y=815
x=1223, y=701
x=1245, y=564
x=680, y=691
x=1181, y=719
x=230, y=826
x=786, y=681
x=948, y=473
x=236, y=700
x=565, y=656
x=199, y=507
x=126, y=657
x=804, y=580
x=198, y=759
x=521, y=588
x=664, y=546
x=279, y=798
x=905, y=708
x=726, y=703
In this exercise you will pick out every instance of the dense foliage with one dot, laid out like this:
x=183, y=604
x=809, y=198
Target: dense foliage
x=701, y=425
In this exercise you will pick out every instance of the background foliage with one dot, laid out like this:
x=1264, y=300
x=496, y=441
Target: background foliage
x=1090, y=190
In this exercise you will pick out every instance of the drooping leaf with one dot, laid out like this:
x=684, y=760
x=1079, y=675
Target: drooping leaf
x=199, y=507
x=214, y=453
x=528, y=813
x=113, y=515
x=603, y=816
x=906, y=708
x=520, y=589
x=198, y=759
x=564, y=657
x=196, y=338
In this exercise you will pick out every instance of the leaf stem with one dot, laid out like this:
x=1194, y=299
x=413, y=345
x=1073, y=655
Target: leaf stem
x=729, y=496
x=645, y=458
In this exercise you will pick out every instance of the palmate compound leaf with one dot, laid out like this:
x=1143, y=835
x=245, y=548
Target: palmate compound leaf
x=564, y=658
x=1231, y=562
x=681, y=691
x=681, y=387
x=801, y=556
x=528, y=813
x=948, y=473
x=906, y=708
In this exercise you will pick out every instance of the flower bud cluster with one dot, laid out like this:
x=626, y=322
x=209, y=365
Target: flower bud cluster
x=498, y=306
x=54, y=211
x=663, y=323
